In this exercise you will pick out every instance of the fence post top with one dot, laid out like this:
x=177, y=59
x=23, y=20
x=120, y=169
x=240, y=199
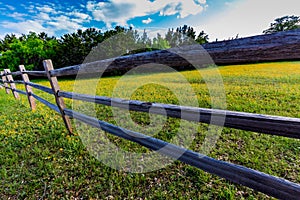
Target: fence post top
x=48, y=66
x=47, y=61
x=22, y=68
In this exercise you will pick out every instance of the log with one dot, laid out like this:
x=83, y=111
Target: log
x=263, y=48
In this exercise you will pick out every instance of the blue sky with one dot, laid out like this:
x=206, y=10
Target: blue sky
x=221, y=19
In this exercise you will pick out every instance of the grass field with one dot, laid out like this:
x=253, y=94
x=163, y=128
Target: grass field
x=40, y=160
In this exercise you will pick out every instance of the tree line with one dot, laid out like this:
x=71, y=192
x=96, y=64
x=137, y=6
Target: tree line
x=72, y=48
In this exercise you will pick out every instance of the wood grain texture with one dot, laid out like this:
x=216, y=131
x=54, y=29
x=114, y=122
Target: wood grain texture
x=46, y=103
x=55, y=88
x=27, y=87
x=31, y=73
x=271, y=47
x=12, y=84
x=41, y=87
x=273, y=125
x=36, y=73
x=4, y=80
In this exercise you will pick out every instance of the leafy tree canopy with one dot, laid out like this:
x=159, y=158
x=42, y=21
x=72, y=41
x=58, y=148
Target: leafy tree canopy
x=284, y=24
x=74, y=48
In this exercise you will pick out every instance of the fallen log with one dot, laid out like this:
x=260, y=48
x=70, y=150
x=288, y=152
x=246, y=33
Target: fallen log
x=263, y=48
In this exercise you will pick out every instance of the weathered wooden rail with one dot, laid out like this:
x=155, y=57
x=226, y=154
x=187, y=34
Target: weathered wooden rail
x=237, y=51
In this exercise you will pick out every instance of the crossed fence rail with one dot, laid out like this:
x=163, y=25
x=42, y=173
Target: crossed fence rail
x=273, y=125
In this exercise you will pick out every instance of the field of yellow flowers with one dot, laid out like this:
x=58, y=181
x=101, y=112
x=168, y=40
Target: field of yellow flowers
x=40, y=160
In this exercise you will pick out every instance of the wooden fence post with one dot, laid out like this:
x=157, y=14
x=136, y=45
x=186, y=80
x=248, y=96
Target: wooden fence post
x=12, y=85
x=1, y=85
x=4, y=79
x=27, y=87
x=59, y=100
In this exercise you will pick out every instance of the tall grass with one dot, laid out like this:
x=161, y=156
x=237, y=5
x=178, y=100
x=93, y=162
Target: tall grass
x=39, y=159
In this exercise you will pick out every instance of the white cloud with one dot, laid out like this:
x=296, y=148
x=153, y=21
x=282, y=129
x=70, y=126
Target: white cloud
x=47, y=22
x=30, y=9
x=43, y=16
x=48, y=18
x=152, y=33
x=201, y=1
x=10, y=7
x=78, y=17
x=64, y=23
x=121, y=11
x=82, y=16
x=147, y=21
x=247, y=18
x=170, y=9
x=17, y=16
x=46, y=9
x=26, y=26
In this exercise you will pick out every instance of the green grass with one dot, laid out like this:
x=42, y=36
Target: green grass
x=39, y=159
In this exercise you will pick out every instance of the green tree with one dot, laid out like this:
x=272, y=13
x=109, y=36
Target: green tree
x=8, y=39
x=202, y=38
x=173, y=37
x=185, y=35
x=160, y=43
x=29, y=50
x=145, y=40
x=118, y=41
x=283, y=24
x=74, y=47
x=182, y=36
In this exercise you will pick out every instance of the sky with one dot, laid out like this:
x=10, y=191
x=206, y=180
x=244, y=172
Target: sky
x=220, y=19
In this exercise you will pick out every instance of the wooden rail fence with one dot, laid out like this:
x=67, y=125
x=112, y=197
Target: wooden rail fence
x=273, y=125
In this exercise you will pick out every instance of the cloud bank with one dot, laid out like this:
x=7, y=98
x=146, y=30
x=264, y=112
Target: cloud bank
x=121, y=11
x=55, y=17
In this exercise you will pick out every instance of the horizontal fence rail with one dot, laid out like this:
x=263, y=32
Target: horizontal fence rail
x=32, y=73
x=20, y=91
x=41, y=87
x=267, y=184
x=47, y=103
x=273, y=125
x=239, y=50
